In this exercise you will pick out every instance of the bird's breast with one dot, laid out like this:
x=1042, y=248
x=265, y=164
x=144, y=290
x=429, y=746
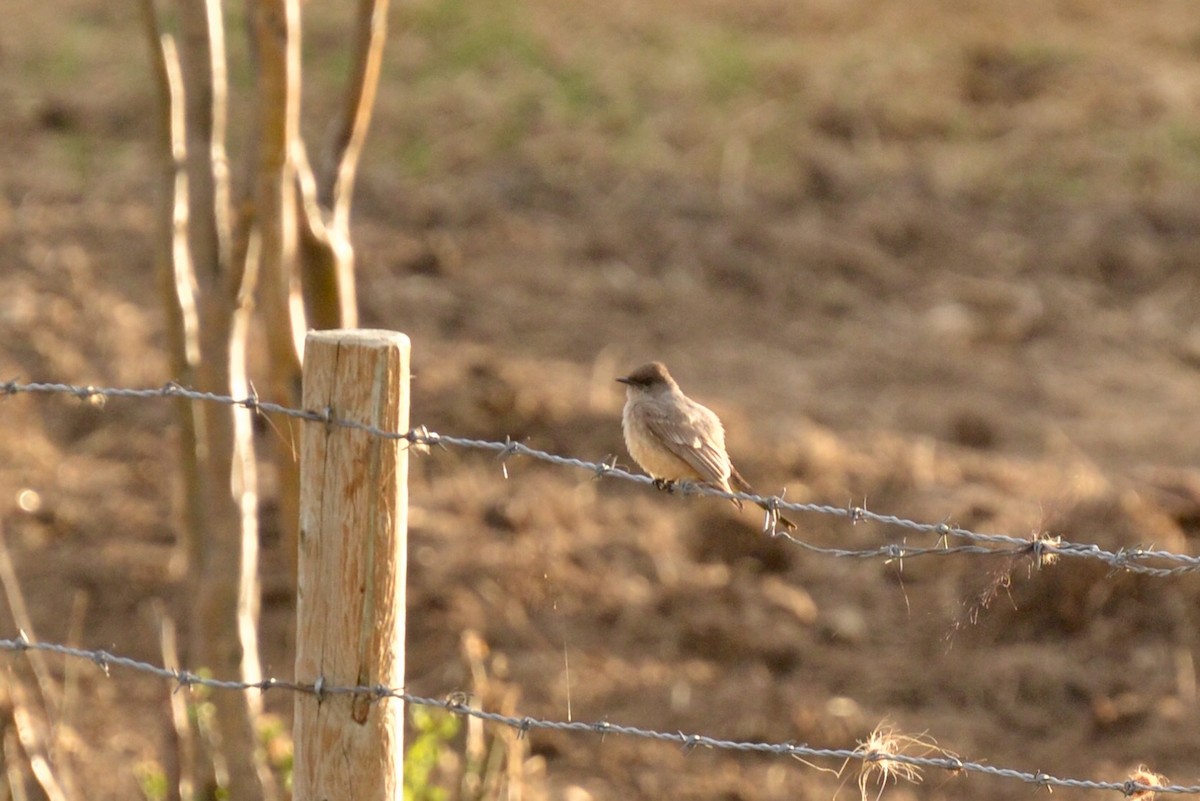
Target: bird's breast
x=650, y=452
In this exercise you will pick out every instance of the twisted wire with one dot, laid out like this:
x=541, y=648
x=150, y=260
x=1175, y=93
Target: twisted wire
x=456, y=703
x=1040, y=549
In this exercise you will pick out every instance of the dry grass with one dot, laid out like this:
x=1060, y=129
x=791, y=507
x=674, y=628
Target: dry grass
x=879, y=767
x=1144, y=776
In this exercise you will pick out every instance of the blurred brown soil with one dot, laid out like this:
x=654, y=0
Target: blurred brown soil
x=937, y=259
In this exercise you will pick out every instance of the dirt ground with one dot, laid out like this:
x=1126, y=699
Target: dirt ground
x=936, y=258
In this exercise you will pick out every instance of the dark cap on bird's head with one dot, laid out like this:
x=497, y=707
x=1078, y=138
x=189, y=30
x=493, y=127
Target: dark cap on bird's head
x=649, y=375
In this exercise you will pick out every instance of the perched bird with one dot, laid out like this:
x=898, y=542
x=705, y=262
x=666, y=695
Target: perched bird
x=674, y=438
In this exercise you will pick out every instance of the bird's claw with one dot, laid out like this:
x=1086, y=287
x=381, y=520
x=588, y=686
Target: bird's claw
x=666, y=485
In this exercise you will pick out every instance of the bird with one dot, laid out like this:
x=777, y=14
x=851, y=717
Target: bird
x=674, y=438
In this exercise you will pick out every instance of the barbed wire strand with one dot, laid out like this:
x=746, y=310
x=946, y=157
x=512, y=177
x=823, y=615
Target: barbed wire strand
x=1039, y=548
x=456, y=704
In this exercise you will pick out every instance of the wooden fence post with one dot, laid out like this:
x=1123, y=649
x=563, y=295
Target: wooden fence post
x=352, y=560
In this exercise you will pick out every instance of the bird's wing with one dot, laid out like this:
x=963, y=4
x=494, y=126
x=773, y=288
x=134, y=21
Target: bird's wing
x=696, y=437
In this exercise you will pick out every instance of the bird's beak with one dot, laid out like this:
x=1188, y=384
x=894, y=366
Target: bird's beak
x=624, y=380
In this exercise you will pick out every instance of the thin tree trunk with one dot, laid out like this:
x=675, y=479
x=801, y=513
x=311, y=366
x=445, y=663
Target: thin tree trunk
x=276, y=30
x=276, y=25
x=335, y=184
x=174, y=272
x=222, y=638
x=328, y=191
x=202, y=58
x=219, y=627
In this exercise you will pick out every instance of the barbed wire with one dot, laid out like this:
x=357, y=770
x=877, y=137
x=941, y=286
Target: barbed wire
x=456, y=703
x=1039, y=548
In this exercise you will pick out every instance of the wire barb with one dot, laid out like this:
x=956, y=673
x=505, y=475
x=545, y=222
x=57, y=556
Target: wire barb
x=606, y=466
x=102, y=660
x=251, y=400
x=184, y=679
x=326, y=416
x=510, y=449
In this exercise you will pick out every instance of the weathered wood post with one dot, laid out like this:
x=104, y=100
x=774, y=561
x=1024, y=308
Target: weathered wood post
x=351, y=579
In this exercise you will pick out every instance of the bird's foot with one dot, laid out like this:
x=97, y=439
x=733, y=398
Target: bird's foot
x=666, y=485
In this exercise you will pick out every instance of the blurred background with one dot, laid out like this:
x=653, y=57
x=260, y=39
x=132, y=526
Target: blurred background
x=941, y=259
